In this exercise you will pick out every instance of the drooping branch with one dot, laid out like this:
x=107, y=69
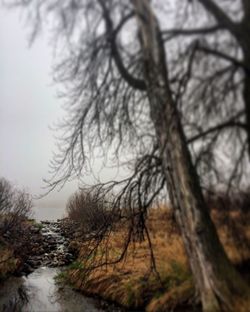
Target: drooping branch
x=220, y=16
x=111, y=32
x=231, y=123
x=224, y=56
x=238, y=164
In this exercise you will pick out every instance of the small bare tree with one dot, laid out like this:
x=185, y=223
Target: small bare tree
x=91, y=213
x=6, y=196
x=15, y=206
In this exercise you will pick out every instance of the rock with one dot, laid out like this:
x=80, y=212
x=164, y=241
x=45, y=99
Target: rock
x=6, y=235
x=27, y=269
x=30, y=262
x=41, y=251
x=35, y=230
x=69, y=256
x=45, y=222
x=49, y=245
x=54, y=263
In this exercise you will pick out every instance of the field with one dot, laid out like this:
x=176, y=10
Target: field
x=134, y=284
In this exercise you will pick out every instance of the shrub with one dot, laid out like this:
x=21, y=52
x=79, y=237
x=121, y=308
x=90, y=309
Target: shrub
x=15, y=206
x=87, y=209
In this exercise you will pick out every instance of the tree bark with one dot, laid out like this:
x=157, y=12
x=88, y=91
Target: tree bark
x=220, y=286
x=244, y=41
x=246, y=93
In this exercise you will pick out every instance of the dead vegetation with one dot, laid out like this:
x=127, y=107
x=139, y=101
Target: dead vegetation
x=132, y=282
x=231, y=215
x=8, y=263
x=15, y=208
x=90, y=213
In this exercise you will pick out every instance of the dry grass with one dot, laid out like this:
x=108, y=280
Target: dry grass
x=132, y=284
x=234, y=232
x=7, y=261
x=15, y=248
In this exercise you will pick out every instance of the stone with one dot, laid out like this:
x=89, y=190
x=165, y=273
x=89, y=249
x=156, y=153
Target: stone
x=27, y=269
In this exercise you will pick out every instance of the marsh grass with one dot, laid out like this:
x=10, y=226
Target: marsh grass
x=8, y=263
x=132, y=283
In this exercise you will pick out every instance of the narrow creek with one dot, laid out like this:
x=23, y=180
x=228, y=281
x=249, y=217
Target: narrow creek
x=38, y=291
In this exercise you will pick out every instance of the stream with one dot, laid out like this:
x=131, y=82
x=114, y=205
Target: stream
x=38, y=291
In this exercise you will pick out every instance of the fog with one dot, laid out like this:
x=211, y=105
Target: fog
x=28, y=108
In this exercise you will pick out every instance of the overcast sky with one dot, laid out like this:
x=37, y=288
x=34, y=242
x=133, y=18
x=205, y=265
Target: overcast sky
x=28, y=106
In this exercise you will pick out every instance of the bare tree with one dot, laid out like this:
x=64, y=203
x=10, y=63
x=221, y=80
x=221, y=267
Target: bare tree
x=239, y=30
x=6, y=196
x=191, y=212
x=89, y=212
x=123, y=95
x=15, y=206
x=208, y=64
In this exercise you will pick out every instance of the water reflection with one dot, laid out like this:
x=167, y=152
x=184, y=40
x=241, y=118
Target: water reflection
x=16, y=303
x=39, y=293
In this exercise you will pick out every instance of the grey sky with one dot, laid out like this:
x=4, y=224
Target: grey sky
x=28, y=105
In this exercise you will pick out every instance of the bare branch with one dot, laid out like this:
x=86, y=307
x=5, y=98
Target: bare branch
x=224, y=57
x=132, y=81
x=190, y=32
x=231, y=123
x=221, y=17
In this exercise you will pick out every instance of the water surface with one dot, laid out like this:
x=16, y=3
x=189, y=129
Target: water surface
x=38, y=292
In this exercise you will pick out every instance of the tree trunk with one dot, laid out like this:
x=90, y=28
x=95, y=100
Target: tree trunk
x=246, y=95
x=244, y=42
x=220, y=286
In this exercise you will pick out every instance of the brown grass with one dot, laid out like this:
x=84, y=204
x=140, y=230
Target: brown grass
x=132, y=284
x=8, y=263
